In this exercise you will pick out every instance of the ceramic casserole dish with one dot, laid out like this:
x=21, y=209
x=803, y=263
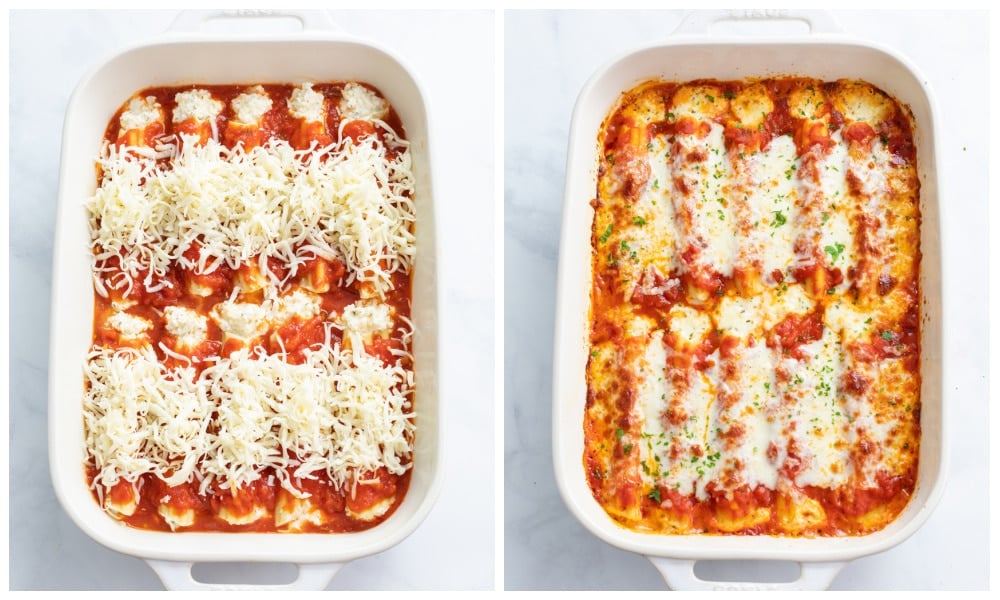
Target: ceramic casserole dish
x=187, y=55
x=692, y=53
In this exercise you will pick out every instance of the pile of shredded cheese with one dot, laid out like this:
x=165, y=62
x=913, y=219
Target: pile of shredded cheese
x=339, y=412
x=347, y=201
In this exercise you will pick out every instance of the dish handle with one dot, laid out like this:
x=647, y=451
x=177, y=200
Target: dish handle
x=679, y=575
x=177, y=576
x=195, y=21
x=700, y=22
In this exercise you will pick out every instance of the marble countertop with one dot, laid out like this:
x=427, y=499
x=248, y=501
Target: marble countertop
x=49, y=53
x=548, y=58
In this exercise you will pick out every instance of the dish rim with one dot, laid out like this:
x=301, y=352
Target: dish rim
x=68, y=479
x=581, y=183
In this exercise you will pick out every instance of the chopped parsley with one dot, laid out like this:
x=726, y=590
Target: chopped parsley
x=610, y=158
x=638, y=221
x=607, y=233
x=729, y=95
x=655, y=494
x=887, y=335
x=619, y=433
x=834, y=251
x=710, y=97
x=779, y=219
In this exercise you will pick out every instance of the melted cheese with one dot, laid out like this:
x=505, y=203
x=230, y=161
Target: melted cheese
x=770, y=199
x=688, y=325
x=814, y=416
x=781, y=238
x=708, y=222
x=860, y=102
x=751, y=416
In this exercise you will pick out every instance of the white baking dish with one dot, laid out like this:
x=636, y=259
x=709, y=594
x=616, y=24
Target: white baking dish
x=186, y=55
x=691, y=53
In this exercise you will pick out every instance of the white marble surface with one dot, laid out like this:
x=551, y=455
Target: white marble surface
x=548, y=57
x=452, y=55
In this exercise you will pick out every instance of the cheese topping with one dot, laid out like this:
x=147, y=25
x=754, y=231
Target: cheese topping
x=130, y=326
x=240, y=320
x=362, y=321
x=349, y=202
x=189, y=327
x=307, y=104
x=266, y=412
x=196, y=104
x=141, y=113
x=296, y=304
x=753, y=365
x=139, y=419
x=360, y=103
x=250, y=107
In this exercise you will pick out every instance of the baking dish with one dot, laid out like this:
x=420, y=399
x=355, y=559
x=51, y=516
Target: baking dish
x=186, y=54
x=693, y=53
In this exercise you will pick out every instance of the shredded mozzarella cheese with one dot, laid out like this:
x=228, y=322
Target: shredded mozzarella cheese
x=141, y=417
x=349, y=202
